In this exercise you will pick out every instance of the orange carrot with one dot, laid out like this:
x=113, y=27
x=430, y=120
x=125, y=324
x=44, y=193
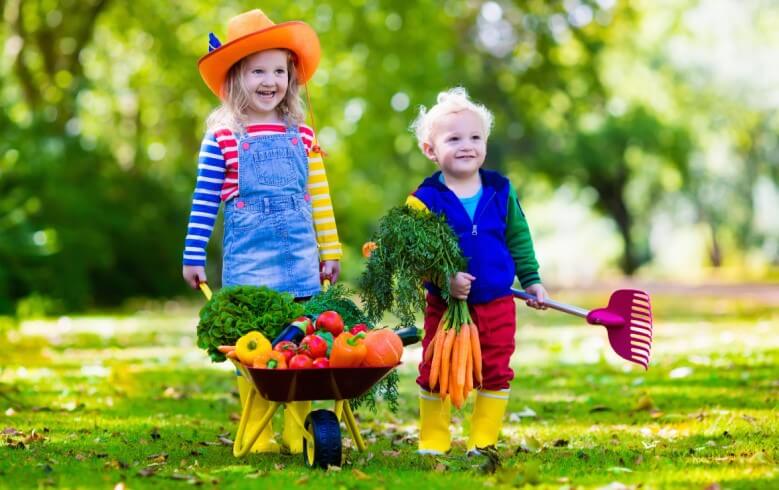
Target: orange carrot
x=446, y=357
x=465, y=339
x=435, y=366
x=454, y=386
x=226, y=349
x=431, y=346
x=476, y=352
x=468, y=374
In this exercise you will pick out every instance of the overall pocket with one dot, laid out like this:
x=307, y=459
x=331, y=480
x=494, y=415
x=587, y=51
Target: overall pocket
x=273, y=166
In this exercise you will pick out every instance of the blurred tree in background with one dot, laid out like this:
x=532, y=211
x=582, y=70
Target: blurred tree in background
x=104, y=110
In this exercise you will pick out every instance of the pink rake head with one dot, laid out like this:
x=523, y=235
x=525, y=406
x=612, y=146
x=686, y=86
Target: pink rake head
x=628, y=319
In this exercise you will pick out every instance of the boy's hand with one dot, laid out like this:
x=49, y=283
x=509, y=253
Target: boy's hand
x=460, y=285
x=541, y=295
x=194, y=275
x=330, y=269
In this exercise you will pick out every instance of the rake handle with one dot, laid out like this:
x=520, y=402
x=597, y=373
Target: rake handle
x=570, y=309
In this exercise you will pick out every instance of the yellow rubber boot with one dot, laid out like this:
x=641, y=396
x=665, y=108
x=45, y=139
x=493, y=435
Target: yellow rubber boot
x=265, y=442
x=487, y=418
x=434, y=419
x=292, y=437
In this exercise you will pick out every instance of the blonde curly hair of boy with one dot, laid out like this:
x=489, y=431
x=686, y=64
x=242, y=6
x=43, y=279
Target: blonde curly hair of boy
x=450, y=101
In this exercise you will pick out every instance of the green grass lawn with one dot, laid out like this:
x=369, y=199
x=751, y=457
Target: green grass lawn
x=130, y=401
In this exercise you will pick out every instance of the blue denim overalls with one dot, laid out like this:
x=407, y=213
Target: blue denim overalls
x=269, y=237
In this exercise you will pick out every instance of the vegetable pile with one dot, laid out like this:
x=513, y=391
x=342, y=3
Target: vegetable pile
x=328, y=345
x=410, y=247
x=236, y=310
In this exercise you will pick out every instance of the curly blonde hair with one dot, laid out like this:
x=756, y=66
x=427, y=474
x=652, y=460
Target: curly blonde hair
x=453, y=100
x=235, y=99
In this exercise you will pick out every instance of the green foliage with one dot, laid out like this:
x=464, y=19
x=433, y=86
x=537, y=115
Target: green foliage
x=337, y=298
x=77, y=229
x=412, y=246
x=104, y=111
x=236, y=310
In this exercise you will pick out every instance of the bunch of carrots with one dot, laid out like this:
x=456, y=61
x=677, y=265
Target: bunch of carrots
x=455, y=354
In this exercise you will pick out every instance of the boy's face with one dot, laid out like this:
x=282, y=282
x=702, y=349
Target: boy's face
x=265, y=79
x=458, y=144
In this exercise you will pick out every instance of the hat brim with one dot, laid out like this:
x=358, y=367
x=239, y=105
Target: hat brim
x=295, y=36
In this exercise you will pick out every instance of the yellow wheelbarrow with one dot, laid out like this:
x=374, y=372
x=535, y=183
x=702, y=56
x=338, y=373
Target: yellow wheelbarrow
x=321, y=429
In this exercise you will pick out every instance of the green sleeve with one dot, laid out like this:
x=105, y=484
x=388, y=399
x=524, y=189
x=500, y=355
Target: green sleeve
x=520, y=243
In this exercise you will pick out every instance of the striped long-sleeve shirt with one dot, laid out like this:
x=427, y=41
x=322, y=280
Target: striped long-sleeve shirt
x=217, y=181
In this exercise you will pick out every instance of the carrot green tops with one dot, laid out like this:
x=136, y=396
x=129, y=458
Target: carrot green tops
x=217, y=181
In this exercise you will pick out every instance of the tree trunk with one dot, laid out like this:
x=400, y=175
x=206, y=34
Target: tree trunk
x=610, y=191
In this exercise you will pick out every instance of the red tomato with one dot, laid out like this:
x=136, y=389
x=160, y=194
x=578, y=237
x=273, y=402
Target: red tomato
x=313, y=346
x=322, y=362
x=300, y=361
x=330, y=321
x=360, y=327
x=287, y=348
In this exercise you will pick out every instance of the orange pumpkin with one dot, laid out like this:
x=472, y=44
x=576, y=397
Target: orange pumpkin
x=384, y=348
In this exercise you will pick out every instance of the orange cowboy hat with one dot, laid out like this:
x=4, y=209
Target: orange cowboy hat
x=251, y=32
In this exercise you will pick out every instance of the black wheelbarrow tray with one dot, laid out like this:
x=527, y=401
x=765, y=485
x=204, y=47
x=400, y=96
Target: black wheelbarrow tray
x=321, y=428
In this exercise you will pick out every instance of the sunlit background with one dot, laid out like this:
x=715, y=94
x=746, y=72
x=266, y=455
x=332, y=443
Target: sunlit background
x=642, y=135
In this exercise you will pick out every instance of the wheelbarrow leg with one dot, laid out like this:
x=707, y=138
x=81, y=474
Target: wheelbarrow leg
x=300, y=422
x=244, y=443
x=342, y=406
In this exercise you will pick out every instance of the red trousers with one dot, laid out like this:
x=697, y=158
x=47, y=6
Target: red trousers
x=497, y=324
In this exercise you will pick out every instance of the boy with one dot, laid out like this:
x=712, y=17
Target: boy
x=483, y=209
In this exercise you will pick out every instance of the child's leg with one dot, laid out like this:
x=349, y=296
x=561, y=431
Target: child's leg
x=434, y=418
x=292, y=437
x=434, y=413
x=497, y=325
x=264, y=443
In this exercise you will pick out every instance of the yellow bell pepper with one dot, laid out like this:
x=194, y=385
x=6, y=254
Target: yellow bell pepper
x=251, y=346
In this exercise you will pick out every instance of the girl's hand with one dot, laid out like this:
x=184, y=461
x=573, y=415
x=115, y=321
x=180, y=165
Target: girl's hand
x=460, y=285
x=330, y=269
x=194, y=275
x=541, y=295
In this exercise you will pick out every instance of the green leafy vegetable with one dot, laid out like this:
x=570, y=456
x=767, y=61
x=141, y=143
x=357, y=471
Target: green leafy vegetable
x=236, y=310
x=413, y=246
x=337, y=298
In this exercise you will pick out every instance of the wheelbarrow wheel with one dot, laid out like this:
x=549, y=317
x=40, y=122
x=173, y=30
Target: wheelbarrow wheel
x=326, y=431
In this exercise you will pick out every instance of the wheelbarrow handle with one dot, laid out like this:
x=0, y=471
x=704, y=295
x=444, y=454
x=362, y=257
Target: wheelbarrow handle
x=570, y=309
x=206, y=290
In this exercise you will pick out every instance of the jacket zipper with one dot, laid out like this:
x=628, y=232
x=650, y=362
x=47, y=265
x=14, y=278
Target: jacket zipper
x=474, y=226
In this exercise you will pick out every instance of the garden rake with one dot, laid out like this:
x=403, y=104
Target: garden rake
x=627, y=318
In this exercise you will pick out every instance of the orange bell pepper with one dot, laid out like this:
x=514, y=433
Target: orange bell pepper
x=348, y=350
x=270, y=360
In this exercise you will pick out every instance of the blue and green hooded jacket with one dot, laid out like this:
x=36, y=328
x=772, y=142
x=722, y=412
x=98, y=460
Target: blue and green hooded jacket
x=496, y=242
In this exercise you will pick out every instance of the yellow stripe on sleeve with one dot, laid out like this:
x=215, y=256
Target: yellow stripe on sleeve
x=324, y=217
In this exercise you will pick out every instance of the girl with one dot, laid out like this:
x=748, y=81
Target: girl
x=483, y=209
x=261, y=161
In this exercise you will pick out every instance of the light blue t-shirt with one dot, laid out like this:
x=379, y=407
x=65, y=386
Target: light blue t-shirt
x=469, y=203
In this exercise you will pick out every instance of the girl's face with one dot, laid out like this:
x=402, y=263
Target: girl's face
x=458, y=144
x=265, y=79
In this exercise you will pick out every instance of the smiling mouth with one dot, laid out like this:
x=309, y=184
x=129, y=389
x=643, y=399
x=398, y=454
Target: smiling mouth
x=266, y=93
